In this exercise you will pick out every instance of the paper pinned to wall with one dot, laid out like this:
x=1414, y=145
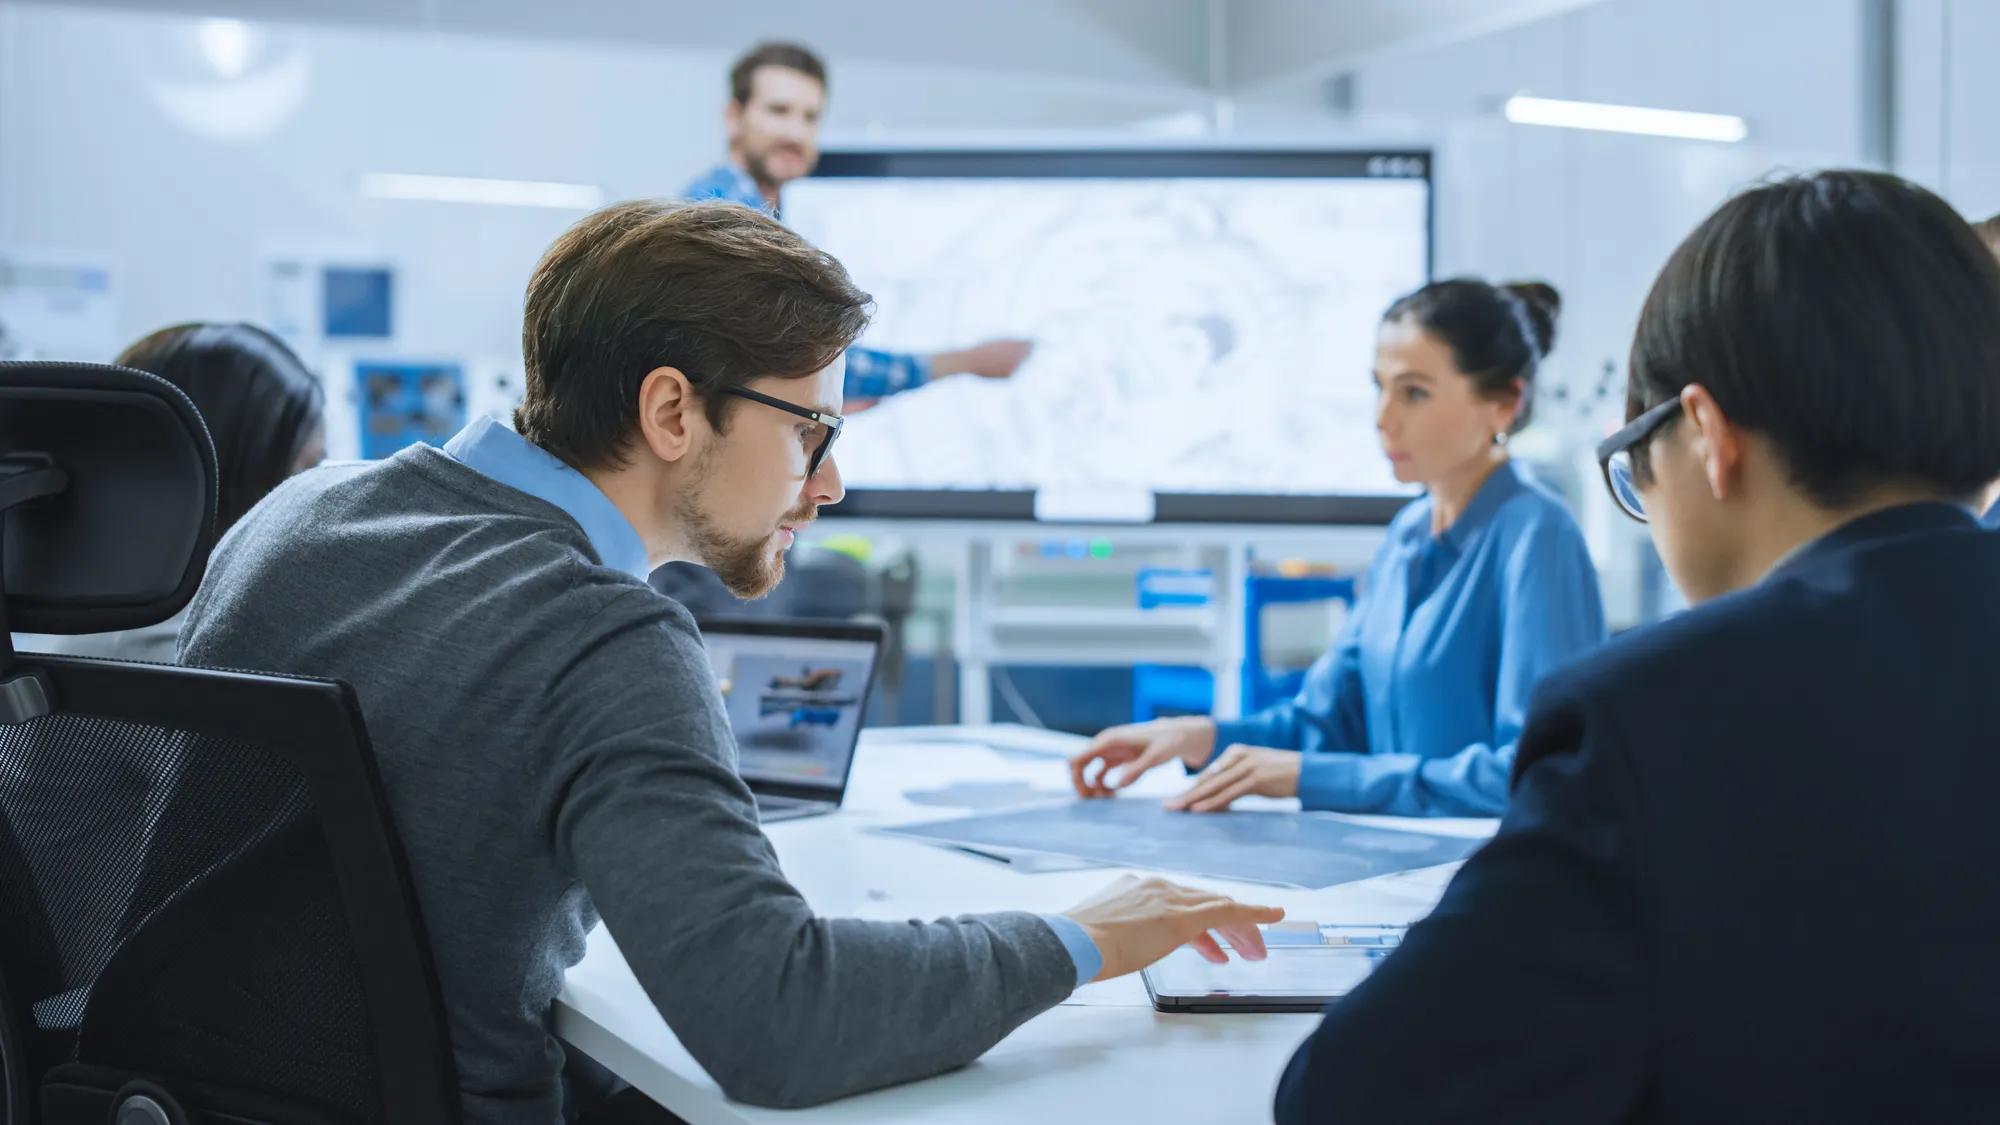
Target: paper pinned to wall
x=57, y=306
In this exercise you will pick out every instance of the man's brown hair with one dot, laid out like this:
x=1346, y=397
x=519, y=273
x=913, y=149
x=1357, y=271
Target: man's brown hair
x=716, y=290
x=791, y=56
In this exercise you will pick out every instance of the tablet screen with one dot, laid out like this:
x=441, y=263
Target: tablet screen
x=1295, y=970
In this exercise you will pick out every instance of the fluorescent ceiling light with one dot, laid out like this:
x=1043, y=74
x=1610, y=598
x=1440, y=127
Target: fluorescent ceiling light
x=467, y=189
x=1524, y=110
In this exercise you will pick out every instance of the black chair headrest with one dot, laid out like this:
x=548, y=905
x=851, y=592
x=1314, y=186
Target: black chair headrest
x=125, y=542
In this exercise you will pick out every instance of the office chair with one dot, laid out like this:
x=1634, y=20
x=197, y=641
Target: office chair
x=205, y=915
x=16, y=1098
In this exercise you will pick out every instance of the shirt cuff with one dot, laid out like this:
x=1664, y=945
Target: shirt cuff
x=1329, y=779
x=1082, y=950
x=1227, y=733
x=920, y=371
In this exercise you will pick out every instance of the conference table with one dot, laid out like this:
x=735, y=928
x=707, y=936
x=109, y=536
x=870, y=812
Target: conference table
x=1103, y=1055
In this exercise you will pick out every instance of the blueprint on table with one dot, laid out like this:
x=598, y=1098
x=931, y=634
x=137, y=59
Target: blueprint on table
x=1307, y=850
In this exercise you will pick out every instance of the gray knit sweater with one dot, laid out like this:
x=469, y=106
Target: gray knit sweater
x=554, y=746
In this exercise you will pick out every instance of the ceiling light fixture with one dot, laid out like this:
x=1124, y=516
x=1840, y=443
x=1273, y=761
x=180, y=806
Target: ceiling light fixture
x=1604, y=117
x=468, y=189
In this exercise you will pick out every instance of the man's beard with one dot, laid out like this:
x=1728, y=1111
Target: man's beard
x=758, y=164
x=747, y=566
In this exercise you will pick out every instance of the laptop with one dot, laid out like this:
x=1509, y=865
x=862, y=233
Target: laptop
x=1309, y=966
x=795, y=693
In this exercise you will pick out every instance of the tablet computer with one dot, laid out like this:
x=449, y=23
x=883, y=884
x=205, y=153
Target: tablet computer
x=1309, y=966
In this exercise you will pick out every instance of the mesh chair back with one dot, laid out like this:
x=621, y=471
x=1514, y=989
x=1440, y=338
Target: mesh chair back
x=16, y=1091
x=203, y=891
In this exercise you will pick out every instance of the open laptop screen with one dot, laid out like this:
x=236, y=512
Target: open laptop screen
x=795, y=692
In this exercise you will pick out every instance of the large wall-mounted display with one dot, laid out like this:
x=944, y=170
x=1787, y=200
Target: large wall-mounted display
x=1203, y=321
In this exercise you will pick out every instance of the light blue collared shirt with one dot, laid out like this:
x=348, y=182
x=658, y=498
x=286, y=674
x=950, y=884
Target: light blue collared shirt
x=1416, y=708
x=489, y=447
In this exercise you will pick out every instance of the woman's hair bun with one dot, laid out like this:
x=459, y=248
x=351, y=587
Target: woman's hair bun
x=1544, y=305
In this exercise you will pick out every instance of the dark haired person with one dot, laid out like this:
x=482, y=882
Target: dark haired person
x=1747, y=872
x=550, y=734
x=1988, y=230
x=1480, y=587
x=262, y=409
x=777, y=92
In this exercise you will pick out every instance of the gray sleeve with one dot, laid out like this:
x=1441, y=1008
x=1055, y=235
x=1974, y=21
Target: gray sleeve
x=154, y=643
x=781, y=1007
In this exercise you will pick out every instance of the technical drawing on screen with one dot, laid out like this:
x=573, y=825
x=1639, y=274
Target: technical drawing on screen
x=1203, y=321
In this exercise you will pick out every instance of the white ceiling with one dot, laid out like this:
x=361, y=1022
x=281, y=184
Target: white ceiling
x=1274, y=41
x=1217, y=46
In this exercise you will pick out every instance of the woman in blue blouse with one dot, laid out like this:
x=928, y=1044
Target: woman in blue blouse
x=1480, y=587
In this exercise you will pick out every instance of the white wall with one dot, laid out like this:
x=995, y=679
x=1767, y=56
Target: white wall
x=117, y=138
x=92, y=159
x=1597, y=214
x=1947, y=133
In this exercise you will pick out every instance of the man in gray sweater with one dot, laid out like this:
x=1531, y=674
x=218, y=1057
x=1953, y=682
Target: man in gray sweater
x=552, y=739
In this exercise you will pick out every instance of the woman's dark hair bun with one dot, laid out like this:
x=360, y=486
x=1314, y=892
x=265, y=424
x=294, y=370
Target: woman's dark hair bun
x=1544, y=305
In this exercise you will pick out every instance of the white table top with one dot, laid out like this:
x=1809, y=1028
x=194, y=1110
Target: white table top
x=1104, y=1054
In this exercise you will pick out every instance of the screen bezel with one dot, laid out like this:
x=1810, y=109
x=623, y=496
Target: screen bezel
x=1018, y=505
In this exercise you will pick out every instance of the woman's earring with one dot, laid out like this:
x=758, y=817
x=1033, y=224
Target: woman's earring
x=1500, y=439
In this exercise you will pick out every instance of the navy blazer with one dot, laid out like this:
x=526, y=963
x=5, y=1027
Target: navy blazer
x=1750, y=871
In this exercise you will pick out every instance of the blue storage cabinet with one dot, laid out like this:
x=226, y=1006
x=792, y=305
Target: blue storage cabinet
x=1159, y=689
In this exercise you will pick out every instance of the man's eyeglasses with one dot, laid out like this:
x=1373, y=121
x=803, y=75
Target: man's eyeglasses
x=1614, y=455
x=829, y=422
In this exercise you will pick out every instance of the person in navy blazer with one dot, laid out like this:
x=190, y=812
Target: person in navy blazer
x=1750, y=870
x=1988, y=230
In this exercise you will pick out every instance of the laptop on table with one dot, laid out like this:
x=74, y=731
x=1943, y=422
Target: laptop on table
x=795, y=693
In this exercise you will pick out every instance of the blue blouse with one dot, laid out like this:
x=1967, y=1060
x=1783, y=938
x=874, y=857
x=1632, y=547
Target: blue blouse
x=1415, y=709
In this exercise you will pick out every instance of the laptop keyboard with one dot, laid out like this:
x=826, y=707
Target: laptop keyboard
x=788, y=808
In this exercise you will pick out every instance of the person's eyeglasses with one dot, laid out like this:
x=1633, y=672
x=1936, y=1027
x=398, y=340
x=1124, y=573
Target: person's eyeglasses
x=830, y=423
x=1614, y=455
